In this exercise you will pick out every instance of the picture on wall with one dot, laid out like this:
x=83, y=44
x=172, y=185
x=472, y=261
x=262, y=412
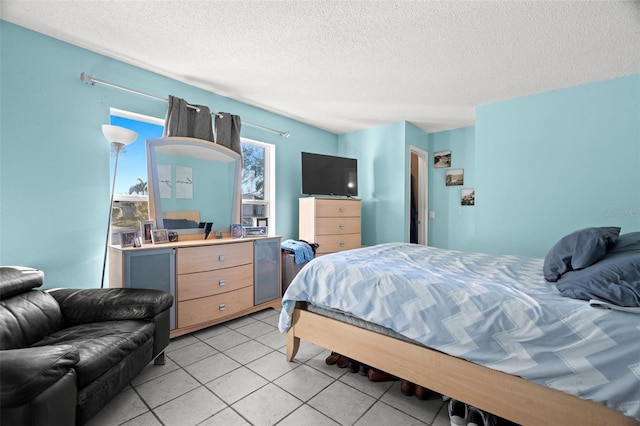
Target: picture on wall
x=184, y=182
x=165, y=180
x=442, y=159
x=468, y=197
x=454, y=177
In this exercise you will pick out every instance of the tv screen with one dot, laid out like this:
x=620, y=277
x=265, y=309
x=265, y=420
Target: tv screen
x=329, y=175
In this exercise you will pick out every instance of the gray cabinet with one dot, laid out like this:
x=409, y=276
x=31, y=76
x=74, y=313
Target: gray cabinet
x=266, y=275
x=152, y=269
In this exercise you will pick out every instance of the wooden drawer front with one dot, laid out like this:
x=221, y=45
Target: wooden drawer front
x=337, y=225
x=202, y=284
x=331, y=243
x=337, y=208
x=207, y=258
x=204, y=309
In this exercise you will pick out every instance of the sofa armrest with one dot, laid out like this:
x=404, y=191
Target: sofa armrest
x=26, y=373
x=80, y=306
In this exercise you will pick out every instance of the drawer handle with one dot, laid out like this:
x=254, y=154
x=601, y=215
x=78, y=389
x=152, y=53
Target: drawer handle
x=221, y=258
x=341, y=243
x=341, y=226
x=341, y=209
x=222, y=307
x=222, y=282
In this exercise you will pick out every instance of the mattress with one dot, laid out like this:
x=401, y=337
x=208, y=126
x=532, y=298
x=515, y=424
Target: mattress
x=496, y=311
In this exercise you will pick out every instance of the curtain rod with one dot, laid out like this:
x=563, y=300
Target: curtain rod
x=87, y=78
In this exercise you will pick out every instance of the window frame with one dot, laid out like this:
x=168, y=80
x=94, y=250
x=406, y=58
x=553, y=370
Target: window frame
x=137, y=117
x=270, y=181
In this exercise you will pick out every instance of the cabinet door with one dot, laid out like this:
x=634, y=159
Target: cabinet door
x=266, y=258
x=152, y=269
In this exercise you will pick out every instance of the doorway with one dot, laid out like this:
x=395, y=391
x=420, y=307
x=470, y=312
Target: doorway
x=418, y=178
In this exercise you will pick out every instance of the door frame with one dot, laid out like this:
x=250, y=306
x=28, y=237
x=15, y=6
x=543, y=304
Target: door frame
x=423, y=194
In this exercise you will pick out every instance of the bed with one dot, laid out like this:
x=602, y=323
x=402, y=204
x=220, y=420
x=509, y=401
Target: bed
x=487, y=330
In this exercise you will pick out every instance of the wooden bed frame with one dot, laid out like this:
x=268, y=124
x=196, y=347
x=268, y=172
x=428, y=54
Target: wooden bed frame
x=504, y=395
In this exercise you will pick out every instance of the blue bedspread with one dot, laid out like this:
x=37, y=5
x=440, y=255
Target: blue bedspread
x=496, y=311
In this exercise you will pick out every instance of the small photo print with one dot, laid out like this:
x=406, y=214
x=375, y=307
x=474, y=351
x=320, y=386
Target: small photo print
x=159, y=236
x=454, y=177
x=116, y=238
x=442, y=159
x=128, y=238
x=468, y=197
x=146, y=226
x=236, y=230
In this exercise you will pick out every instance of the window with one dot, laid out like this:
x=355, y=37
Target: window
x=258, y=184
x=131, y=196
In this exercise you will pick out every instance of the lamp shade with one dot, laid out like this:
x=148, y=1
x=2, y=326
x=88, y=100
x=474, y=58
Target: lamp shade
x=119, y=135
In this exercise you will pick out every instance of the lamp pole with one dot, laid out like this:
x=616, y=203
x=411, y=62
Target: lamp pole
x=119, y=138
x=117, y=146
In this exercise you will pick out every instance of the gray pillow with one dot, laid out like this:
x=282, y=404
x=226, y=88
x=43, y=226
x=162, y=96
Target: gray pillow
x=578, y=250
x=626, y=242
x=614, y=279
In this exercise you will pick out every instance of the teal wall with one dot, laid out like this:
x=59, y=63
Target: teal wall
x=54, y=160
x=454, y=224
x=383, y=177
x=542, y=166
x=555, y=162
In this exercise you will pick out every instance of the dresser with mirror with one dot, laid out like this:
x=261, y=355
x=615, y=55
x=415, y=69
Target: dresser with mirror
x=212, y=276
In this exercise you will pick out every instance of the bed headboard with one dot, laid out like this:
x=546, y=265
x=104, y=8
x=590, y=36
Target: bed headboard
x=186, y=214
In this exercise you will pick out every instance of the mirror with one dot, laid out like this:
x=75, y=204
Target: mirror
x=192, y=181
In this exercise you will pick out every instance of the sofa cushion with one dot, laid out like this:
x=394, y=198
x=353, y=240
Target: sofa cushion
x=18, y=279
x=28, y=317
x=26, y=373
x=101, y=345
x=92, y=305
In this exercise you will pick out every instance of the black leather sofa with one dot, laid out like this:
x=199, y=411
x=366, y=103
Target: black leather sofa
x=65, y=353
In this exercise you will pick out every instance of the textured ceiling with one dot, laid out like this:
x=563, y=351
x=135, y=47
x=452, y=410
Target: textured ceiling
x=350, y=65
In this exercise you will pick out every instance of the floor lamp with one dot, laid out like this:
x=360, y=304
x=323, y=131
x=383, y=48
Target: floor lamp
x=119, y=138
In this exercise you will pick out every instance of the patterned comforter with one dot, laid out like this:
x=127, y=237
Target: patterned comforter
x=496, y=311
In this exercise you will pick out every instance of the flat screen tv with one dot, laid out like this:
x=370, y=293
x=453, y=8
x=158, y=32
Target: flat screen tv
x=329, y=175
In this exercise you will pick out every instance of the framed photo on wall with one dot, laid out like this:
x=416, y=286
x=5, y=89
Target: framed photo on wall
x=468, y=197
x=454, y=177
x=442, y=159
x=159, y=236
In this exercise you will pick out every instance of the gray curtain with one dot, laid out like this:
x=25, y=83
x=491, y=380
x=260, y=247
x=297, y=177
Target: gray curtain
x=182, y=120
x=228, y=131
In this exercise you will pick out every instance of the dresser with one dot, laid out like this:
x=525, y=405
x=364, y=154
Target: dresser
x=333, y=223
x=212, y=281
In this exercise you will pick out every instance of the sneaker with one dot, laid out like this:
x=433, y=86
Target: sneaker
x=480, y=418
x=458, y=413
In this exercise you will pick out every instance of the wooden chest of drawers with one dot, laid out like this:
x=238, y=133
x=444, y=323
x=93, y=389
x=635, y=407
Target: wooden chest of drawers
x=213, y=282
x=333, y=223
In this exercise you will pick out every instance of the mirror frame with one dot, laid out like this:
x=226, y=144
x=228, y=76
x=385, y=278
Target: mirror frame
x=189, y=147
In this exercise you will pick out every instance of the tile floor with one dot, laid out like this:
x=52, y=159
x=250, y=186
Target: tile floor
x=236, y=374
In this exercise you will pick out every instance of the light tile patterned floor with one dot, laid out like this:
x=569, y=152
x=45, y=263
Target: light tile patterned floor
x=236, y=374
